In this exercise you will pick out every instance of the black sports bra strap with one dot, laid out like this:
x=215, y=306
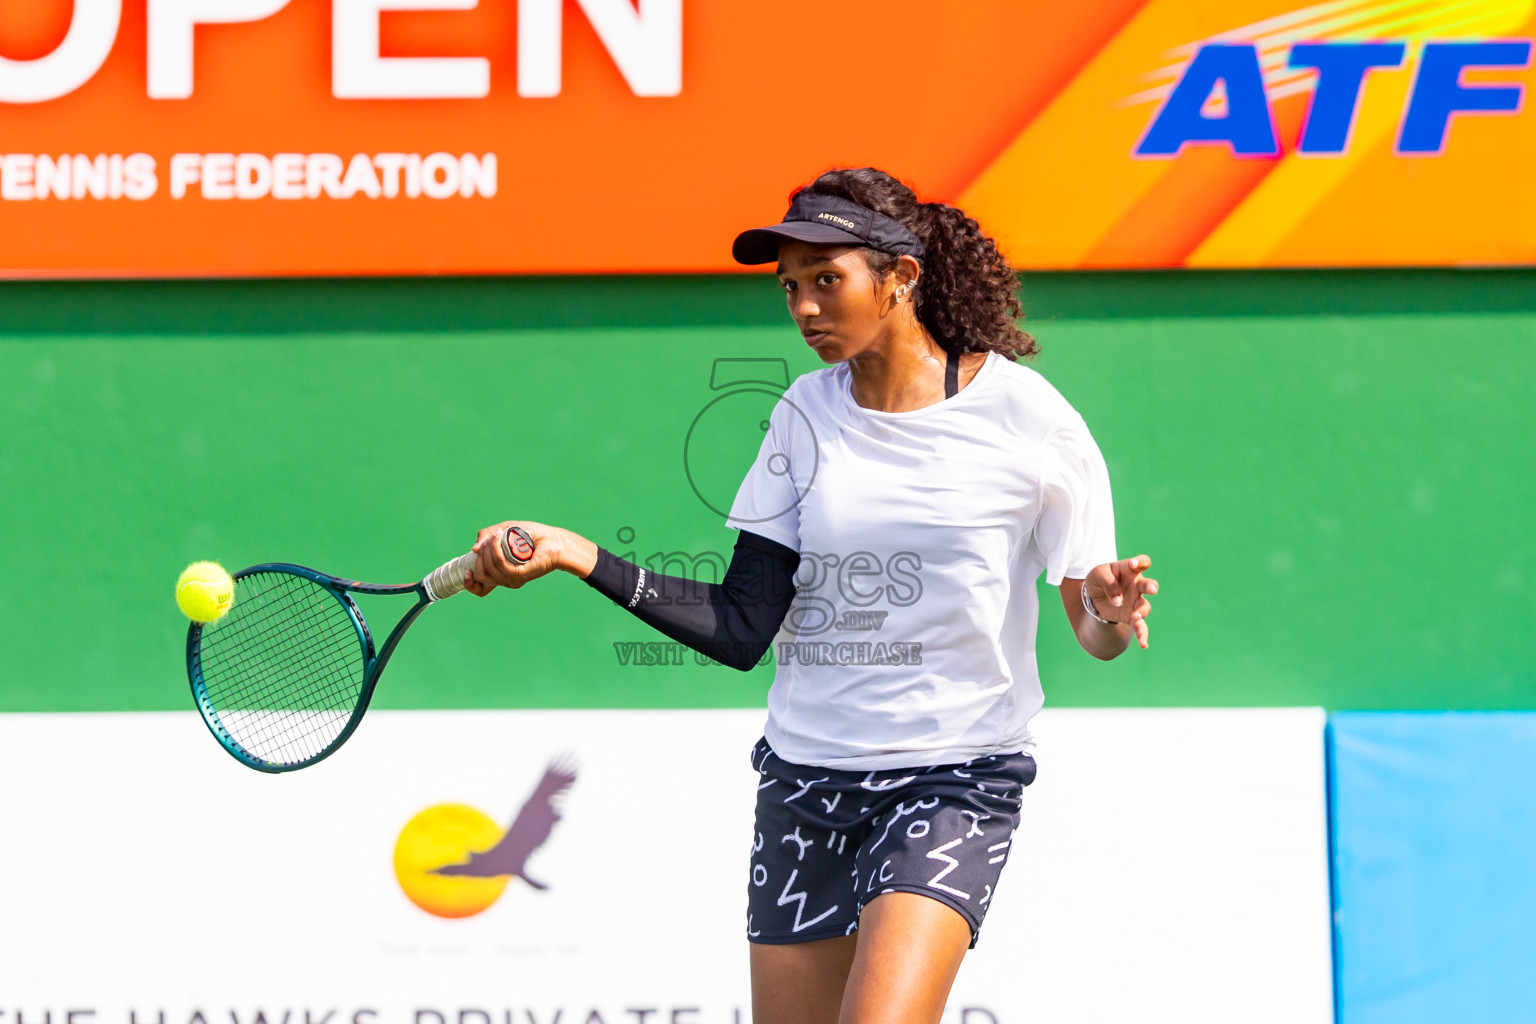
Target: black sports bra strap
x=951, y=374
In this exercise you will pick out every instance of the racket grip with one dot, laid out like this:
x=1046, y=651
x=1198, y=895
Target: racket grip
x=448, y=578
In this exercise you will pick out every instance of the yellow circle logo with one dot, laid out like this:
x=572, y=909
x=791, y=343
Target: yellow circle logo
x=438, y=837
x=453, y=861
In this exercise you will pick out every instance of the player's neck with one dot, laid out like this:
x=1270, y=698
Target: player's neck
x=904, y=373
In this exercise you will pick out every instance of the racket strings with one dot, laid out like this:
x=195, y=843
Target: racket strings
x=284, y=669
x=299, y=697
x=295, y=703
x=274, y=682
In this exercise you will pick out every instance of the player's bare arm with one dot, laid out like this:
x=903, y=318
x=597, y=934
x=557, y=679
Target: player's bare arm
x=1119, y=592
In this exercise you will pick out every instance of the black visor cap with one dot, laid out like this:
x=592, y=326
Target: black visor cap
x=827, y=220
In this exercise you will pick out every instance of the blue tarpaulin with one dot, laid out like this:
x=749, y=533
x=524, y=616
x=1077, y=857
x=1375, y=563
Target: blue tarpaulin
x=1434, y=858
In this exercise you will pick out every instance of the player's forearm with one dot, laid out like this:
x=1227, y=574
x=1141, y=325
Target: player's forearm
x=1103, y=640
x=732, y=621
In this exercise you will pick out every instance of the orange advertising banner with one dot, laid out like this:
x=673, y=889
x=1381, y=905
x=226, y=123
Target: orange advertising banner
x=297, y=137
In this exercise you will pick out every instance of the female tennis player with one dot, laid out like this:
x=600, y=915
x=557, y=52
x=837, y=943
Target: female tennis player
x=891, y=531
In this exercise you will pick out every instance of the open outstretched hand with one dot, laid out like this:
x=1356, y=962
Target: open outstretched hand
x=1119, y=593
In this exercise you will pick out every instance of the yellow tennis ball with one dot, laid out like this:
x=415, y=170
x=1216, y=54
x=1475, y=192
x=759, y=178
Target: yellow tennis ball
x=204, y=591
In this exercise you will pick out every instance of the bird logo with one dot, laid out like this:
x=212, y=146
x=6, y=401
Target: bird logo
x=453, y=861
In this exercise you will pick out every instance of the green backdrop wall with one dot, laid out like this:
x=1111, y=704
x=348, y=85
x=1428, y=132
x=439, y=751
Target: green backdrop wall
x=1330, y=470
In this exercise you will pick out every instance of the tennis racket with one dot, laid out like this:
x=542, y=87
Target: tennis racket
x=283, y=678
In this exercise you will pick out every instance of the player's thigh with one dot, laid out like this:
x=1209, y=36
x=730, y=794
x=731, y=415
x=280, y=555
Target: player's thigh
x=800, y=983
x=909, y=949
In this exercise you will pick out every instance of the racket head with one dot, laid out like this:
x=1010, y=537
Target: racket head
x=282, y=678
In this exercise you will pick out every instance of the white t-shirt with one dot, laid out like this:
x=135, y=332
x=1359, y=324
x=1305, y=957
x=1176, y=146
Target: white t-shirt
x=911, y=641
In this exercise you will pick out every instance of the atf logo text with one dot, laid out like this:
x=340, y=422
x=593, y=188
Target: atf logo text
x=1221, y=97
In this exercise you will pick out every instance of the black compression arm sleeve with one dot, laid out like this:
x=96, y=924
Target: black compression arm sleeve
x=732, y=621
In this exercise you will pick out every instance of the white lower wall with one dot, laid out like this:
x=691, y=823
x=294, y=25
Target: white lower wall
x=1171, y=867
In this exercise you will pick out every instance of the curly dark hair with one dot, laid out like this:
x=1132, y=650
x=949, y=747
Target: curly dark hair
x=967, y=295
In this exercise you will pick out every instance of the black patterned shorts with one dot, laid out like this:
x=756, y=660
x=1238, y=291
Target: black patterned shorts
x=827, y=841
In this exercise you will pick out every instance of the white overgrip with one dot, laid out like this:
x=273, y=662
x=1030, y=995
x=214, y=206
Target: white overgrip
x=448, y=578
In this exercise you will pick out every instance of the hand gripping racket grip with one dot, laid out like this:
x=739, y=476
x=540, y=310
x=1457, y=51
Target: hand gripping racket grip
x=448, y=579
